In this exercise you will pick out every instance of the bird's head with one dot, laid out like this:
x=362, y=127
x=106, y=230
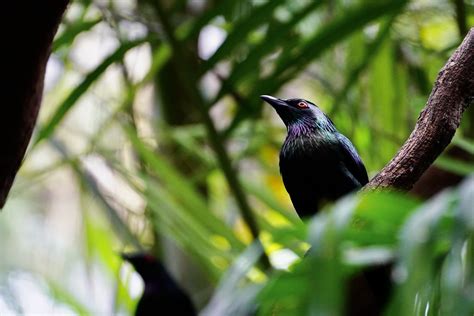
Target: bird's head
x=298, y=112
x=145, y=264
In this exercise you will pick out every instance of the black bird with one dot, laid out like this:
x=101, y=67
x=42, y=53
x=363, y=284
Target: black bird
x=161, y=296
x=317, y=163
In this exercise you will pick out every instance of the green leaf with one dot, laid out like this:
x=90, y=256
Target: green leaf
x=192, y=29
x=258, y=16
x=466, y=203
x=335, y=31
x=178, y=185
x=89, y=182
x=266, y=197
x=355, y=70
x=91, y=78
x=289, y=64
x=418, y=264
x=457, y=279
x=68, y=36
x=464, y=143
x=456, y=166
x=233, y=295
x=382, y=213
x=61, y=294
x=274, y=38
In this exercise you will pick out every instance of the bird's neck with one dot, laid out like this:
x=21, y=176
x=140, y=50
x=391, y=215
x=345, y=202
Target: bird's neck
x=158, y=283
x=301, y=129
x=310, y=127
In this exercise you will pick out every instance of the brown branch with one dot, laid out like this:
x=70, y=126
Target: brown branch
x=453, y=92
x=27, y=33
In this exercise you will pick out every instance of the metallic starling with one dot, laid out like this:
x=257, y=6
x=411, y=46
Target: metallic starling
x=317, y=163
x=161, y=296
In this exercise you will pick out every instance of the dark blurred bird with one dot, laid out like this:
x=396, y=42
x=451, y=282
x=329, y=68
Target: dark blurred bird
x=161, y=296
x=317, y=163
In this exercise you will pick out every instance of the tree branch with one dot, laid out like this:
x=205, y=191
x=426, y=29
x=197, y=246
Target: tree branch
x=453, y=92
x=27, y=33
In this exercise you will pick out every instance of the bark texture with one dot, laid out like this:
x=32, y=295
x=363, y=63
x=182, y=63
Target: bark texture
x=28, y=29
x=453, y=92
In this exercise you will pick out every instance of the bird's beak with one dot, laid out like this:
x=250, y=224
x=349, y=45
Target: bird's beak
x=275, y=102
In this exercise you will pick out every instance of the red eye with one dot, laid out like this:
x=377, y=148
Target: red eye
x=302, y=105
x=149, y=258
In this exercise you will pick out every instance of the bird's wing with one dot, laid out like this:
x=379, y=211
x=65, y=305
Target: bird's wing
x=352, y=160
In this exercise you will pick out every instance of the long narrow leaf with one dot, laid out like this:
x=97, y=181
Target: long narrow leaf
x=76, y=93
x=177, y=184
x=72, y=31
x=90, y=183
x=242, y=28
x=290, y=64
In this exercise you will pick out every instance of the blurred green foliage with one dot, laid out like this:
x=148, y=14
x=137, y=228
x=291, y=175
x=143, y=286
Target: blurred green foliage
x=152, y=136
